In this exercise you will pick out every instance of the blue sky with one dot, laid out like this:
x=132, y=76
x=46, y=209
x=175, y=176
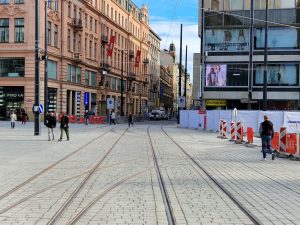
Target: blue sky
x=165, y=19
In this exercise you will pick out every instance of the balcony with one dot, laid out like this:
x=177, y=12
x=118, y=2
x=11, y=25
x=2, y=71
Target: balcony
x=77, y=58
x=131, y=76
x=105, y=67
x=131, y=53
x=146, y=61
x=104, y=39
x=77, y=24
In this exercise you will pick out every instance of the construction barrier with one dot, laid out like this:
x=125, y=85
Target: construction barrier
x=92, y=119
x=250, y=135
x=72, y=119
x=275, y=141
x=282, y=139
x=291, y=144
x=224, y=129
x=99, y=119
x=81, y=120
x=239, y=131
x=232, y=131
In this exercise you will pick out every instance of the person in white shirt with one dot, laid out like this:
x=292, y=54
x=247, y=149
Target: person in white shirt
x=112, y=117
x=221, y=78
x=13, y=119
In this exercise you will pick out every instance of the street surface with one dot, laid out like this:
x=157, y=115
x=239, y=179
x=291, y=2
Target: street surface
x=119, y=175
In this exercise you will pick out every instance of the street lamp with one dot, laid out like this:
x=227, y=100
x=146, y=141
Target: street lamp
x=122, y=76
x=37, y=70
x=265, y=87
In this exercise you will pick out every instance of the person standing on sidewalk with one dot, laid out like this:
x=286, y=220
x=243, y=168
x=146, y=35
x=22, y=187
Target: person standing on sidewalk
x=50, y=123
x=64, y=126
x=87, y=117
x=13, y=119
x=266, y=131
x=130, y=119
x=112, y=118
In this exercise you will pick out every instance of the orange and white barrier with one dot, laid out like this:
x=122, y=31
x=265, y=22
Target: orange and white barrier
x=275, y=141
x=232, y=131
x=239, y=131
x=282, y=139
x=291, y=144
x=224, y=129
x=220, y=128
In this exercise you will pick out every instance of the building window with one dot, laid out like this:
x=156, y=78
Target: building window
x=52, y=70
x=90, y=50
x=19, y=30
x=277, y=75
x=69, y=39
x=91, y=23
x=4, y=2
x=79, y=43
x=69, y=9
x=49, y=33
x=95, y=51
x=74, y=74
x=74, y=41
x=75, y=12
x=19, y=1
x=55, y=36
x=69, y=72
x=87, y=78
x=85, y=47
x=86, y=21
x=55, y=2
x=4, y=30
x=90, y=78
x=96, y=26
x=12, y=67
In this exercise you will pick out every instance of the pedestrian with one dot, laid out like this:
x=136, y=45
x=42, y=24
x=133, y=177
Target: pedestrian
x=51, y=124
x=112, y=118
x=130, y=119
x=24, y=117
x=266, y=132
x=64, y=126
x=13, y=119
x=87, y=117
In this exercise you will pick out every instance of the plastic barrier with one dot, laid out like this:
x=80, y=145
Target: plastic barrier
x=72, y=119
x=232, y=131
x=291, y=144
x=250, y=135
x=224, y=129
x=275, y=141
x=81, y=120
x=92, y=119
x=282, y=139
x=239, y=132
x=99, y=119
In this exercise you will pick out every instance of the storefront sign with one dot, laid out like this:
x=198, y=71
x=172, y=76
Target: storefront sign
x=216, y=102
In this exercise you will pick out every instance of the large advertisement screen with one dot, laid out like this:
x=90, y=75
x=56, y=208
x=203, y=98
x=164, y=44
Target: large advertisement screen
x=216, y=75
x=227, y=40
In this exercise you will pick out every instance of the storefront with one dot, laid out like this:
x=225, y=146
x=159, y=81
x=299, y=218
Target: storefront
x=11, y=99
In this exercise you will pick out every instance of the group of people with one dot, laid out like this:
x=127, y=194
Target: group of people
x=216, y=76
x=113, y=117
x=13, y=118
x=50, y=122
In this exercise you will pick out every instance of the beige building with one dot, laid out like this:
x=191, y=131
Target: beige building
x=81, y=75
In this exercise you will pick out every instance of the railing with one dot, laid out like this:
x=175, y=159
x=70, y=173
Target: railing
x=77, y=23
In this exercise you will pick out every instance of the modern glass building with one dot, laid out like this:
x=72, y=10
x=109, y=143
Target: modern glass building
x=233, y=51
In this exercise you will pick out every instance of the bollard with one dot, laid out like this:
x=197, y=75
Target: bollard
x=232, y=131
x=224, y=129
x=239, y=133
x=282, y=139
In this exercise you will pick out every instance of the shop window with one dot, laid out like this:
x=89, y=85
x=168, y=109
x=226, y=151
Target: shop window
x=52, y=99
x=278, y=75
x=52, y=69
x=12, y=67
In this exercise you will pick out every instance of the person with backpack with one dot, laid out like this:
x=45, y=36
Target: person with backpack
x=50, y=124
x=266, y=131
x=64, y=126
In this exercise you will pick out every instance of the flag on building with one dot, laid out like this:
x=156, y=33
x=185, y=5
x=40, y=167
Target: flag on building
x=111, y=45
x=137, y=58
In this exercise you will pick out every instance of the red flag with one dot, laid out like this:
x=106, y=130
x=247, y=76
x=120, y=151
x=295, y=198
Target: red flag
x=111, y=45
x=137, y=58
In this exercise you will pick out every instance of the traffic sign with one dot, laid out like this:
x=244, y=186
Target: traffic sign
x=110, y=103
x=41, y=108
x=181, y=102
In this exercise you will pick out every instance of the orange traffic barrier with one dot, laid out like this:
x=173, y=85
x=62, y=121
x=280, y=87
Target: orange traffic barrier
x=291, y=144
x=81, y=120
x=282, y=139
x=250, y=135
x=72, y=119
x=275, y=141
x=92, y=119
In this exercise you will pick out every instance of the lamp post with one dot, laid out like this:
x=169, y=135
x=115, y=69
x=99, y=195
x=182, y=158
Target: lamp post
x=46, y=65
x=122, y=76
x=265, y=87
x=37, y=70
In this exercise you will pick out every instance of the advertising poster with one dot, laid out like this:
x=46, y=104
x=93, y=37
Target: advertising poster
x=216, y=75
x=292, y=122
x=227, y=40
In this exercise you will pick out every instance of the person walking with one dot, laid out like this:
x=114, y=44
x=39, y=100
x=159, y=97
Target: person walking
x=24, y=117
x=130, y=120
x=50, y=123
x=87, y=117
x=13, y=119
x=266, y=131
x=112, y=118
x=64, y=127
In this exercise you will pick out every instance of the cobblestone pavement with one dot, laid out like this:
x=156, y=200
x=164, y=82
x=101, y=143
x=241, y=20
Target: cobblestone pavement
x=124, y=188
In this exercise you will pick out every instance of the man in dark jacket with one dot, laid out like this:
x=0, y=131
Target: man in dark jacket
x=266, y=131
x=64, y=126
x=50, y=123
x=130, y=120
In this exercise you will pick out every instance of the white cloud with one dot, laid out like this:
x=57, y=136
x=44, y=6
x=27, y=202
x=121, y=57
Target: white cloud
x=170, y=32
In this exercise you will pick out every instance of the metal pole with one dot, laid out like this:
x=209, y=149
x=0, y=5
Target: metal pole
x=180, y=72
x=122, y=54
x=202, y=61
x=46, y=66
x=185, y=74
x=251, y=55
x=37, y=70
x=265, y=101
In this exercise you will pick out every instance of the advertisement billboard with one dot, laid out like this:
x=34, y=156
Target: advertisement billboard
x=216, y=75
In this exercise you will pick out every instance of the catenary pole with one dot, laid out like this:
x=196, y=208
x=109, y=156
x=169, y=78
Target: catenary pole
x=265, y=86
x=185, y=74
x=46, y=66
x=180, y=72
x=37, y=70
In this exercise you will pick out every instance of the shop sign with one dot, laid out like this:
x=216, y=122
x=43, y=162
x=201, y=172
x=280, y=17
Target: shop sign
x=216, y=102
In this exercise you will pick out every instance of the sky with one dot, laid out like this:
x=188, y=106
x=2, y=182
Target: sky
x=165, y=19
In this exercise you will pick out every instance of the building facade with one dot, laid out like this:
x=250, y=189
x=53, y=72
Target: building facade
x=165, y=90
x=81, y=74
x=233, y=54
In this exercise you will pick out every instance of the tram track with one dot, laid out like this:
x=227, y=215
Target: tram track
x=250, y=215
x=51, y=166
